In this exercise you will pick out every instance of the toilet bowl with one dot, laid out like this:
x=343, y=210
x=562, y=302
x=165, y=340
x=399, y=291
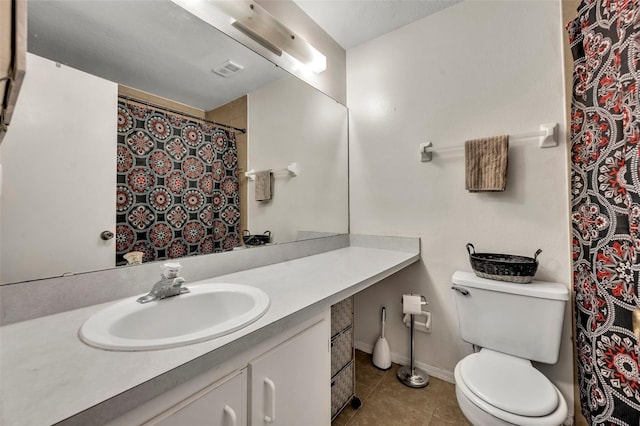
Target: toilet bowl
x=493, y=388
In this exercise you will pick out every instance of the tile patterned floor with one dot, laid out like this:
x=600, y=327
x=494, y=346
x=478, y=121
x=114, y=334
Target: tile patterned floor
x=387, y=402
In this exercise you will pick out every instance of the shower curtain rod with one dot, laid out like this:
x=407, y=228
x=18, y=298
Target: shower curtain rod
x=173, y=111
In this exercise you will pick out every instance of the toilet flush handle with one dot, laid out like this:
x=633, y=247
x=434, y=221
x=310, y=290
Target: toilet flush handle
x=462, y=291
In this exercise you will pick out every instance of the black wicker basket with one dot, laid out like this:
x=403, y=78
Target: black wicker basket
x=503, y=267
x=256, y=239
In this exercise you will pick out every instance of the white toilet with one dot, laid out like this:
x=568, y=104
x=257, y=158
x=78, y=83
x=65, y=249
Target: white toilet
x=514, y=324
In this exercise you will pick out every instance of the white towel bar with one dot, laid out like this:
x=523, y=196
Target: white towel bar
x=292, y=169
x=547, y=137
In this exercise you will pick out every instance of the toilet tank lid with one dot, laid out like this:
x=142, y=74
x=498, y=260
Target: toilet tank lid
x=540, y=289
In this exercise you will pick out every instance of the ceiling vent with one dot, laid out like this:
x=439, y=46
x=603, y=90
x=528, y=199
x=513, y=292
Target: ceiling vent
x=228, y=69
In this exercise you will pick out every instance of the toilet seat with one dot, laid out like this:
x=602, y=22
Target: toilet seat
x=488, y=380
x=508, y=383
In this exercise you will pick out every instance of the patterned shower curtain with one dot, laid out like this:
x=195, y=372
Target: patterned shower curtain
x=605, y=187
x=177, y=192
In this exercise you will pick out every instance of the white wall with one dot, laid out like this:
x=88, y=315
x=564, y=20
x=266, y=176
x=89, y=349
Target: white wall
x=289, y=122
x=62, y=140
x=476, y=69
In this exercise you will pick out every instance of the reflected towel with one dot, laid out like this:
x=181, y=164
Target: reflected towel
x=263, y=185
x=486, y=164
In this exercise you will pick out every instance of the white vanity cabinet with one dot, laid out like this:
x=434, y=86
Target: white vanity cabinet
x=223, y=403
x=283, y=380
x=289, y=383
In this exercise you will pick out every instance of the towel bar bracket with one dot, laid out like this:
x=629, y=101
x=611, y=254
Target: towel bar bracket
x=549, y=137
x=425, y=154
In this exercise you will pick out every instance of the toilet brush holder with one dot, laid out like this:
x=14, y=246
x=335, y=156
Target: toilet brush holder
x=410, y=375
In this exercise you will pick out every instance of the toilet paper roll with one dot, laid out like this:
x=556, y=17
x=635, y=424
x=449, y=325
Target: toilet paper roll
x=411, y=304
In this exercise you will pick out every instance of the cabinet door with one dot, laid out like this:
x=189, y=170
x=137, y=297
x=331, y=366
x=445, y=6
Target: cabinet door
x=223, y=403
x=290, y=384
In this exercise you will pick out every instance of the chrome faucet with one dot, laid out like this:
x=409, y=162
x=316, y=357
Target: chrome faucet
x=170, y=284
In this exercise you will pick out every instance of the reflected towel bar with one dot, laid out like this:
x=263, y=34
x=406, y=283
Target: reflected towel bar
x=547, y=137
x=292, y=169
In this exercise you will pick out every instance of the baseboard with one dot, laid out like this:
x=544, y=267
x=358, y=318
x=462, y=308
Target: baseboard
x=439, y=373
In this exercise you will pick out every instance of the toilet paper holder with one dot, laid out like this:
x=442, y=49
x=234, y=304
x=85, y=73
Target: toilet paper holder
x=422, y=299
x=412, y=303
x=422, y=326
x=410, y=375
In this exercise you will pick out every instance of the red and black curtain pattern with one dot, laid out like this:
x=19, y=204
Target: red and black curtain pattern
x=605, y=190
x=177, y=186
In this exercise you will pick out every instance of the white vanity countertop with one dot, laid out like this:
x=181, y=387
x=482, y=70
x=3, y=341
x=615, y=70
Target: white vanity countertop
x=48, y=374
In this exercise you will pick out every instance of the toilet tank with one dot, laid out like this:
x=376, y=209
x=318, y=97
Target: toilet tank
x=524, y=320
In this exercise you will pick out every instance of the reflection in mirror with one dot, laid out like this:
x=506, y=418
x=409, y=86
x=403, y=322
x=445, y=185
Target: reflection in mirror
x=123, y=127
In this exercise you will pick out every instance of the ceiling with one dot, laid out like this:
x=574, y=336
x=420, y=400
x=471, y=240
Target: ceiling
x=352, y=22
x=134, y=43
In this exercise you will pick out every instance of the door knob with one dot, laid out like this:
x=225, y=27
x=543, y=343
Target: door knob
x=106, y=235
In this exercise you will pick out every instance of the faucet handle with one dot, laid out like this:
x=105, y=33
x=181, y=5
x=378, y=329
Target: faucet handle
x=171, y=269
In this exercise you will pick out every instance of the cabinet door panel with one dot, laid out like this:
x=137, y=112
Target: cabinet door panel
x=221, y=404
x=290, y=385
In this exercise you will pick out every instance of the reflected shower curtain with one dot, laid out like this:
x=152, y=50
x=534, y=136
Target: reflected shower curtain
x=605, y=189
x=177, y=192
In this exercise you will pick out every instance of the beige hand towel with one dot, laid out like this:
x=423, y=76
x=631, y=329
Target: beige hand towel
x=263, y=185
x=486, y=164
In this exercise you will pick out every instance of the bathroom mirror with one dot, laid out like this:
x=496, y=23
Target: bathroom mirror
x=59, y=168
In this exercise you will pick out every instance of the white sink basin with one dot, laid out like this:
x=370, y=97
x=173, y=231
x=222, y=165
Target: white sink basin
x=206, y=312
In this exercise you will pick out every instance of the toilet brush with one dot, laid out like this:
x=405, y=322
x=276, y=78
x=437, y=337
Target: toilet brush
x=381, y=352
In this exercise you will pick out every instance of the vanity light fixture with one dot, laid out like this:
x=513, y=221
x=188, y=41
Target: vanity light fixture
x=257, y=38
x=256, y=23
